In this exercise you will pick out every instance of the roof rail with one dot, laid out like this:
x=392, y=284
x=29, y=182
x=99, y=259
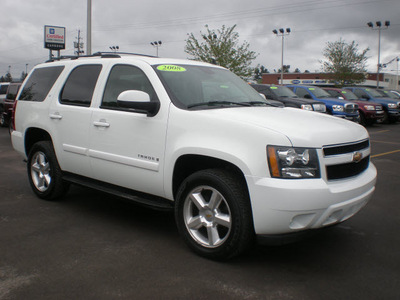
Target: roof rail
x=97, y=54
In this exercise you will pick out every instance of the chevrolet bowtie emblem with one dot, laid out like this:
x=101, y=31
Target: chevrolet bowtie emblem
x=357, y=156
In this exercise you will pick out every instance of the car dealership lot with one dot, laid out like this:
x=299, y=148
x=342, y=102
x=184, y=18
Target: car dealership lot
x=95, y=246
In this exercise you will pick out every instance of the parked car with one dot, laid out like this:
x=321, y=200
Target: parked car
x=390, y=106
x=194, y=138
x=3, y=93
x=390, y=94
x=336, y=107
x=370, y=112
x=6, y=115
x=288, y=98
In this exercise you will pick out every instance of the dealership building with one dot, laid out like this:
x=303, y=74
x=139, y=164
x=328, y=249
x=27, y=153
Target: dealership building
x=386, y=80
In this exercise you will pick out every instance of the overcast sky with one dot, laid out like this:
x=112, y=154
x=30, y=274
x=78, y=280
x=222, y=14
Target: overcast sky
x=132, y=25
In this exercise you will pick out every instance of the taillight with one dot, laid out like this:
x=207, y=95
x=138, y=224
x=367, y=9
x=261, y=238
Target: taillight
x=13, y=115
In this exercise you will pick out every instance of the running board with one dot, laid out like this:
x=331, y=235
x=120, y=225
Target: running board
x=142, y=199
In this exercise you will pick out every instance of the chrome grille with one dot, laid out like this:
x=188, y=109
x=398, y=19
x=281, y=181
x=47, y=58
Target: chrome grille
x=349, y=166
x=351, y=108
x=319, y=107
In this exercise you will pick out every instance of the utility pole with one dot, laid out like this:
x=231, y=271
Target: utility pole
x=89, y=28
x=78, y=45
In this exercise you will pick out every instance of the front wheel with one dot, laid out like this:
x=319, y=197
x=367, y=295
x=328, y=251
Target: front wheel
x=44, y=172
x=213, y=214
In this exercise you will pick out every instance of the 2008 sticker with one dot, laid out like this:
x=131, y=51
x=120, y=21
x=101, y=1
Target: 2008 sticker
x=171, y=68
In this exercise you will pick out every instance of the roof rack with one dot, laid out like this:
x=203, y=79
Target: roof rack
x=97, y=54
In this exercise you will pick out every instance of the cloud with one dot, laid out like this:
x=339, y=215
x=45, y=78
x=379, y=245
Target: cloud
x=133, y=25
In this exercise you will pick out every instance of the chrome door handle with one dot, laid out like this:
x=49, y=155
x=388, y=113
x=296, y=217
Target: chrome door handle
x=55, y=116
x=101, y=123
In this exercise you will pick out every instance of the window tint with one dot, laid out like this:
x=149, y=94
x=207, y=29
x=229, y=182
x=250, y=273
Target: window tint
x=39, y=83
x=123, y=78
x=335, y=94
x=359, y=93
x=79, y=88
x=3, y=88
x=301, y=92
x=12, y=91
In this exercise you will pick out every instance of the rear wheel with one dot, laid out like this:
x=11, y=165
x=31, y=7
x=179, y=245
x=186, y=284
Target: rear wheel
x=213, y=214
x=44, y=172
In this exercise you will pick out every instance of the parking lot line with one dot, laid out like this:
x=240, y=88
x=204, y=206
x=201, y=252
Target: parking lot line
x=386, y=153
x=383, y=142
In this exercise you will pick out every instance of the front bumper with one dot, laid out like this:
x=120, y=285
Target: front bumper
x=285, y=206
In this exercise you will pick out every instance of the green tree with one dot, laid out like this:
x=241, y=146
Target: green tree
x=258, y=71
x=23, y=76
x=344, y=64
x=222, y=47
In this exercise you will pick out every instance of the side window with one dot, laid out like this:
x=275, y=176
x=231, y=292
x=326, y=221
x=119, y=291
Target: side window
x=335, y=94
x=123, y=78
x=39, y=83
x=359, y=93
x=79, y=87
x=301, y=92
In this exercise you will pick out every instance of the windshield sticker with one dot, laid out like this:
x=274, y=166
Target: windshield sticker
x=311, y=89
x=344, y=92
x=171, y=68
x=224, y=87
x=273, y=88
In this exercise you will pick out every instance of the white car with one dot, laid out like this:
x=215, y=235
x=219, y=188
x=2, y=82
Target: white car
x=193, y=137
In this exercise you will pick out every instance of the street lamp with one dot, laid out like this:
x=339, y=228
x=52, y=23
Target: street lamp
x=379, y=28
x=156, y=44
x=282, y=33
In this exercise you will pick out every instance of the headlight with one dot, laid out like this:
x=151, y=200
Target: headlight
x=293, y=163
x=338, y=107
x=392, y=105
x=369, y=107
x=306, y=107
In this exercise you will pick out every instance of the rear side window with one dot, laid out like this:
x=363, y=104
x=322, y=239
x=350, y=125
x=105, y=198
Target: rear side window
x=39, y=83
x=12, y=91
x=3, y=88
x=302, y=92
x=79, y=87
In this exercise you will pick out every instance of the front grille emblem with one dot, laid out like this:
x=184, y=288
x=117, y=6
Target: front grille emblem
x=357, y=156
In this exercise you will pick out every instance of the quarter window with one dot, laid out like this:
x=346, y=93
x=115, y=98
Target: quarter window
x=39, y=83
x=124, y=78
x=79, y=87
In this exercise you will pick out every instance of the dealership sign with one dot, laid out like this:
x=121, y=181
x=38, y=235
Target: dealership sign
x=54, y=37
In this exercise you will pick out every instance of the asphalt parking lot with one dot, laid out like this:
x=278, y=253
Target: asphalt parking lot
x=94, y=246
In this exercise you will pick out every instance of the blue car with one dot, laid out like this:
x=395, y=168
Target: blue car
x=391, y=107
x=336, y=107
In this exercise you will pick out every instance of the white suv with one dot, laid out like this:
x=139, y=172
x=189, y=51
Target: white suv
x=193, y=137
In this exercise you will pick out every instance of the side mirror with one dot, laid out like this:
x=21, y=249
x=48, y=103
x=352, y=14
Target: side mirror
x=139, y=102
x=262, y=95
x=365, y=97
x=341, y=98
x=307, y=96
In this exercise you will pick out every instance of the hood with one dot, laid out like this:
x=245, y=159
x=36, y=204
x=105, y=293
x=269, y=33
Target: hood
x=300, y=100
x=333, y=101
x=302, y=128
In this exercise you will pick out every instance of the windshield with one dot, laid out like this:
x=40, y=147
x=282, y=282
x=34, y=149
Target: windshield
x=319, y=93
x=283, y=91
x=349, y=95
x=206, y=87
x=375, y=93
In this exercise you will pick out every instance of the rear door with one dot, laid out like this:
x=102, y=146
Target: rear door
x=70, y=116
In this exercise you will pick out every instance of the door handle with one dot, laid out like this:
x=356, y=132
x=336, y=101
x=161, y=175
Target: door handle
x=55, y=116
x=101, y=123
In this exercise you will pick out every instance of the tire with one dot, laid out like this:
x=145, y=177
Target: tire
x=386, y=118
x=3, y=121
x=213, y=214
x=363, y=120
x=44, y=173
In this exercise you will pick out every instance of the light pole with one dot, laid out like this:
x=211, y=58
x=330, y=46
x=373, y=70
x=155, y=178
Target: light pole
x=282, y=33
x=379, y=28
x=114, y=48
x=156, y=44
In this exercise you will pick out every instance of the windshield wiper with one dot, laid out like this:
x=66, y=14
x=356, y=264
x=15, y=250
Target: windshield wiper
x=221, y=103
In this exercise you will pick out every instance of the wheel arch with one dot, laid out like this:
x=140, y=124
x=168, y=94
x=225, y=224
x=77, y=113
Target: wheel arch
x=190, y=163
x=34, y=135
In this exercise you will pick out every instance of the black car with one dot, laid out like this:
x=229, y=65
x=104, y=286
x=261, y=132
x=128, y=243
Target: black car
x=288, y=97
